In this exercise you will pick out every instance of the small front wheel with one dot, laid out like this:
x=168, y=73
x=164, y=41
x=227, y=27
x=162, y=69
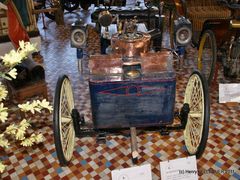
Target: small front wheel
x=64, y=134
x=197, y=127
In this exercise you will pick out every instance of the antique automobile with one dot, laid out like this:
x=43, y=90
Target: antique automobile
x=216, y=28
x=220, y=38
x=151, y=16
x=131, y=89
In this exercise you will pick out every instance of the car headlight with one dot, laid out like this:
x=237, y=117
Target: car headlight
x=78, y=34
x=182, y=31
x=105, y=18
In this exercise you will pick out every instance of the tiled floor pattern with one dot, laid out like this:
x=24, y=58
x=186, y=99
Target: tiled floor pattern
x=92, y=161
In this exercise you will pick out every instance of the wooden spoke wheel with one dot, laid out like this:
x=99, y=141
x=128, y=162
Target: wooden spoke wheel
x=207, y=54
x=197, y=127
x=64, y=134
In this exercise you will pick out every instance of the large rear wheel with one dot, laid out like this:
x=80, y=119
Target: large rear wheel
x=207, y=55
x=64, y=134
x=197, y=127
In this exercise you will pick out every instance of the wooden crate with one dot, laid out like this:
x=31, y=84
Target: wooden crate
x=3, y=22
x=28, y=91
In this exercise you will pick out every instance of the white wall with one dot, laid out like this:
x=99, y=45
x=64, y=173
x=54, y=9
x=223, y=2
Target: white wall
x=7, y=46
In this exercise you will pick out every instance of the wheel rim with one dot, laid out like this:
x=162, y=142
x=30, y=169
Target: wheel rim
x=194, y=128
x=67, y=133
x=207, y=55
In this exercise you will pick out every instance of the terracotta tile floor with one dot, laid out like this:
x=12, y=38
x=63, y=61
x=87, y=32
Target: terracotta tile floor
x=221, y=159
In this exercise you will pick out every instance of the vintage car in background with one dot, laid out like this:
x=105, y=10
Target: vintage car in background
x=132, y=87
x=216, y=32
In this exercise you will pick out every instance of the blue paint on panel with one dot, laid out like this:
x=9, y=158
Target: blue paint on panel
x=138, y=103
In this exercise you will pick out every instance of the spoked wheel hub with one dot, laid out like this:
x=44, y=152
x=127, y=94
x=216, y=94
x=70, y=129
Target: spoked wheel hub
x=197, y=127
x=64, y=134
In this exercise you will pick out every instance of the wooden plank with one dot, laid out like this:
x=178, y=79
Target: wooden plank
x=36, y=89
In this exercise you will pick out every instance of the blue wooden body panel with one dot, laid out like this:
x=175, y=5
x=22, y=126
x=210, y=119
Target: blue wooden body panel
x=133, y=103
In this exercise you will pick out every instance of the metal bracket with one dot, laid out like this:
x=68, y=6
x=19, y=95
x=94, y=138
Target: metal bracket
x=134, y=147
x=101, y=138
x=164, y=132
x=184, y=114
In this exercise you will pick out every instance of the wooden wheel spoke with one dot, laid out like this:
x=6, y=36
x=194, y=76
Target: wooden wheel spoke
x=195, y=114
x=66, y=119
x=64, y=133
x=192, y=127
x=196, y=104
x=65, y=106
x=196, y=98
x=68, y=153
x=69, y=97
x=66, y=127
x=66, y=137
x=194, y=136
x=192, y=139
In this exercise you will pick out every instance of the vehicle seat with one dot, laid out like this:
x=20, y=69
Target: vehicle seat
x=200, y=11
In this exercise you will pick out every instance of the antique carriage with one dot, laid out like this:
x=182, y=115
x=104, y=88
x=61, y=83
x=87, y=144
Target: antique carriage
x=216, y=27
x=220, y=37
x=132, y=88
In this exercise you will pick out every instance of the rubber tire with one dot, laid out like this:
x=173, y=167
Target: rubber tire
x=211, y=35
x=203, y=142
x=57, y=136
x=74, y=5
